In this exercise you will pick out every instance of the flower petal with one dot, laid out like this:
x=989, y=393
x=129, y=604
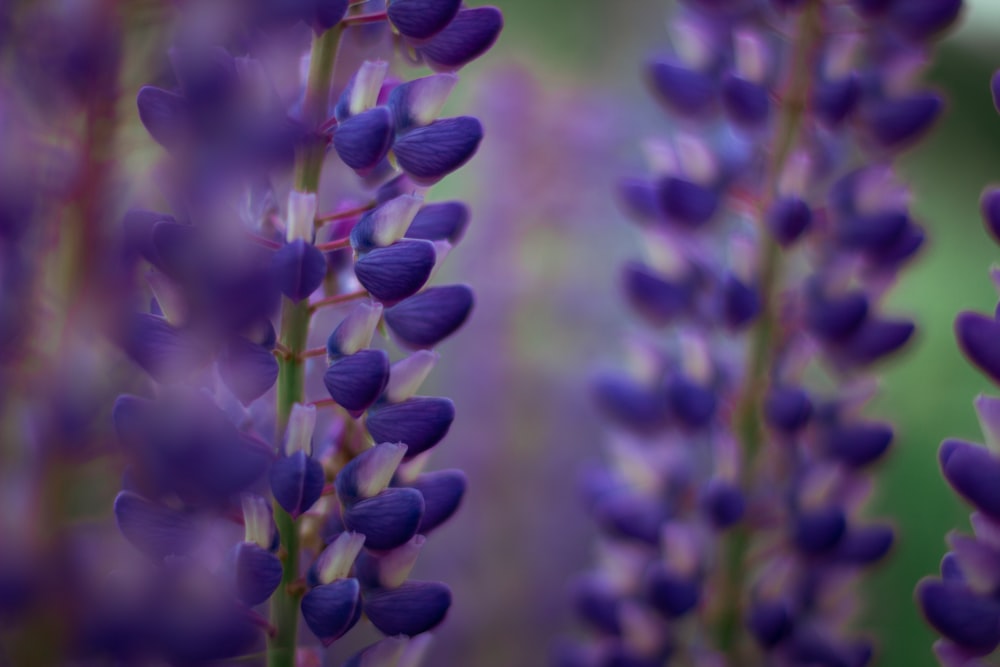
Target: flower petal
x=297, y=482
x=357, y=380
x=397, y=272
x=414, y=607
x=388, y=520
x=469, y=35
x=429, y=153
x=427, y=318
x=419, y=423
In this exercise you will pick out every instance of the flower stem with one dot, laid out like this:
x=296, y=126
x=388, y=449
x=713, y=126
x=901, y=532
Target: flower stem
x=294, y=332
x=748, y=418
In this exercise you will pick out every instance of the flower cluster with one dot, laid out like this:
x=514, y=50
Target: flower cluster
x=773, y=224
x=238, y=286
x=963, y=604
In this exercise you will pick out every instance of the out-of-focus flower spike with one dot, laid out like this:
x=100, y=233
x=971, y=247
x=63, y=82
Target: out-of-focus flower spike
x=419, y=102
x=257, y=572
x=788, y=409
x=337, y=559
x=443, y=491
x=421, y=19
x=156, y=531
x=427, y=318
x=385, y=224
x=429, y=153
x=469, y=35
x=247, y=369
x=420, y=422
x=362, y=92
x=332, y=609
x=410, y=609
x=407, y=375
x=386, y=653
x=357, y=380
x=258, y=523
x=301, y=426
x=894, y=123
x=355, y=332
x=369, y=473
x=441, y=221
x=398, y=271
x=363, y=140
x=387, y=520
x=301, y=216
x=165, y=115
x=297, y=482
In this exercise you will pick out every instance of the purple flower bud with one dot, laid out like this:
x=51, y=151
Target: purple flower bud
x=429, y=153
x=820, y=530
x=863, y=545
x=921, y=19
x=836, y=318
x=414, y=607
x=631, y=517
x=388, y=520
x=672, y=595
x=298, y=268
x=326, y=14
x=723, y=502
x=362, y=141
x=397, y=272
x=597, y=604
x=684, y=91
x=442, y=491
x=741, y=303
x=369, y=473
x=357, y=380
x=747, y=103
x=972, y=471
x=970, y=620
x=630, y=403
x=420, y=422
x=419, y=102
x=693, y=404
x=427, y=318
x=297, y=482
x=247, y=369
x=639, y=198
x=787, y=409
x=686, y=203
x=469, y=35
x=989, y=206
x=331, y=610
x=894, y=123
x=436, y=222
x=871, y=231
x=156, y=531
x=878, y=338
x=833, y=101
x=977, y=336
x=258, y=573
x=789, y=218
x=771, y=622
x=858, y=444
x=166, y=353
x=165, y=115
x=657, y=299
x=421, y=19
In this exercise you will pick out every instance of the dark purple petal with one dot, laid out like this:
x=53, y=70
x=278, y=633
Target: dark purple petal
x=631, y=517
x=419, y=423
x=833, y=101
x=974, y=472
x=687, y=203
x=871, y=231
x=297, y=482
x=820, y=530
x=640, y=199
x=836, y=318
x=995, y=90
x=723, y=502
x=156, y=531
x=357, y=380
x=740, y=302
x=747, y=103
x=631, y=404
x=248, y=369
x=970, y=620
x=425, y=319
x=895, y=123
x=298, y=268
x=332, y=609
x=328, y=13
x=258, y=573
x=420, y=19
x=671, y=594
x=693, y=404
x=429, y=153
x=921, y=19
x=878, y=338
x=989, y=206
x=442, y=491
x=165, y=115
x=207, y=76
x=388, y=520
x=787, y=409
x=368, y=473
x=440, y=222
x=788, y=218
x=979, y=338
x=363, y=140
x=414, y=607
x=166, y=353
x=398, y=271
x=684, y=91
x=864, y=545
x=469, y=35
x=597, y=604
x=657, y=299
x=770, y=622
x=858, y=444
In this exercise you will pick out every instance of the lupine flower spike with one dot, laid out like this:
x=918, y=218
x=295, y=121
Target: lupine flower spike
x=237, y=285
x=963, y=604
x=731, y=511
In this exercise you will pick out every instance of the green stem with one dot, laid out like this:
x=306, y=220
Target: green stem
x=748, y=418
x=293, y=335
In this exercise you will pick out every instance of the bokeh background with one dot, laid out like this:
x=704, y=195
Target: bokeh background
x=565, y=112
